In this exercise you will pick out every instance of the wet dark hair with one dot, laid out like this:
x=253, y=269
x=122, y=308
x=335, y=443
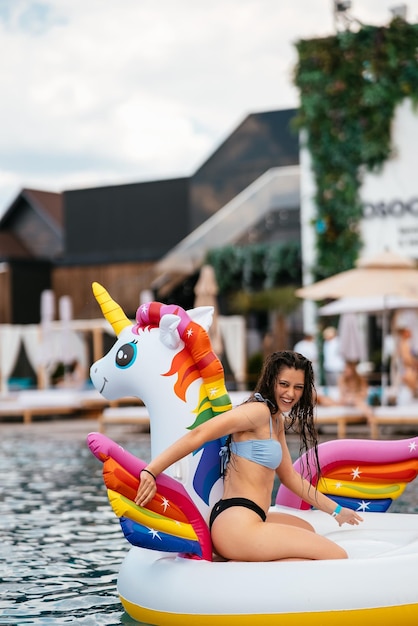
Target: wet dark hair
x=301, y=417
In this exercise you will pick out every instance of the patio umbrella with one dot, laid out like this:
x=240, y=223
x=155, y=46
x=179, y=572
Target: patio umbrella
x=373, y=304
x=352, y=341
x=206, y=292
x=386, y=274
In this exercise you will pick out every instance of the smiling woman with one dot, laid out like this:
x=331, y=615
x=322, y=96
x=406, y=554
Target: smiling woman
x=242, y=528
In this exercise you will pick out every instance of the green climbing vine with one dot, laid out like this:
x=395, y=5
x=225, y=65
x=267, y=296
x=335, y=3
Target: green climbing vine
x=350, y=85
x=256, y=267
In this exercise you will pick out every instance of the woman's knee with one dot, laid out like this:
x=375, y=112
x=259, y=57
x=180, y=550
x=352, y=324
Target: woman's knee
x=339, y=552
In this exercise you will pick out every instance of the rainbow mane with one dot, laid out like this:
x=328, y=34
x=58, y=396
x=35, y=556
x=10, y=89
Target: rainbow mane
x=196, y=360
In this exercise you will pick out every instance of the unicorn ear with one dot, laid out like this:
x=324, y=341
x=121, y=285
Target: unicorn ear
x=169, y=334
x=202, y=315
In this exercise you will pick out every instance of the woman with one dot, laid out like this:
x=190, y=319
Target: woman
x=242, y=528
x=332, y=360
x=406, y=361
x=353, y=389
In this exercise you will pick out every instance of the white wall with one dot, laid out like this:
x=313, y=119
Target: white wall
x=394, y=191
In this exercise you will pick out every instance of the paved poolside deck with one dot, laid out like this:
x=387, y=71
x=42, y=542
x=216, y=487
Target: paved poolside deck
x=70, y=428
x=67, y=428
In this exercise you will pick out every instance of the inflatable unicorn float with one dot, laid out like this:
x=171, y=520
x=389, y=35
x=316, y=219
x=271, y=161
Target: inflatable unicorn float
x=169, y=576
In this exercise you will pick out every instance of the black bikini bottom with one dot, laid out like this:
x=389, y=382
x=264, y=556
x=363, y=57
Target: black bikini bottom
x=226, y=504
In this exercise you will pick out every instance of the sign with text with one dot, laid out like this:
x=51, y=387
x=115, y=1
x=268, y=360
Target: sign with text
x=390, y=196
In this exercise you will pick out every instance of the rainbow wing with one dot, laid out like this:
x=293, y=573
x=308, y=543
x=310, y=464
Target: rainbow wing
x=147, y=529
x=170, y=522
x=364, y=475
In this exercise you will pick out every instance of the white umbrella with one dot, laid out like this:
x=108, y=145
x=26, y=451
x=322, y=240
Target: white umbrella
x=386, y=274
x=373, y=304
x=66, y=314
x=206, y=292
x=352, y=342
x=46, y=356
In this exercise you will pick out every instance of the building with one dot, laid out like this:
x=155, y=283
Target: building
x=119, y=235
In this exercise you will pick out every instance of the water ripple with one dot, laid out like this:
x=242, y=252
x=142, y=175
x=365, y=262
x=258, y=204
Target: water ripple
x=61, y=544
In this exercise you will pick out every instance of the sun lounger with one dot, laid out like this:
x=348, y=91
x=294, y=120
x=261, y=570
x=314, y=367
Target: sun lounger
x=137, y=415
x=27, y=404
x=340, y=416
x=406, y=415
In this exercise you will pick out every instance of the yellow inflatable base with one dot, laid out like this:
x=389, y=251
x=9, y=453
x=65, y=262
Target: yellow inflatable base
x=407, y=615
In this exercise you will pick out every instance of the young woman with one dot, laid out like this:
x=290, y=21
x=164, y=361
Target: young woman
x=353, y=389
x=242, y=528
x=406, y=361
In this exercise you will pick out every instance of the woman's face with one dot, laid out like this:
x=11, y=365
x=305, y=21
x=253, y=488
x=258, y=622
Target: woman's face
x=289, y=388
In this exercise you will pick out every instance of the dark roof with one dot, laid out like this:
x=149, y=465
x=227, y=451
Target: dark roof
x=49, y=203
x=262, y=141
x=32, y=226
x=12, y=248
x=136, y=222
x=266, y=138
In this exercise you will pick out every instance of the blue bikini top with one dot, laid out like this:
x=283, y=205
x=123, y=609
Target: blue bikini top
x=266, y=452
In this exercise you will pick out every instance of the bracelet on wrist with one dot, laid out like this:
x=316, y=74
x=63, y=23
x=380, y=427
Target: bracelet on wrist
x=337, y=511
x=148, y=472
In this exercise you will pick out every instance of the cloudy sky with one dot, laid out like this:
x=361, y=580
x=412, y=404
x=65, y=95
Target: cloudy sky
x=99, y=92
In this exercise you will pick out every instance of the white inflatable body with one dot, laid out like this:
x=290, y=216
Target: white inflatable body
x=168, y=577
x=377, y=585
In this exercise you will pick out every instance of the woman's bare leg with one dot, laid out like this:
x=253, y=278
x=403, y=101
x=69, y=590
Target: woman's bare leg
x=275, y=517
x=239, y=534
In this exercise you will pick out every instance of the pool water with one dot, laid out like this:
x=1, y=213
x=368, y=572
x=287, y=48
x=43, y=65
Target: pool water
x=61, y=545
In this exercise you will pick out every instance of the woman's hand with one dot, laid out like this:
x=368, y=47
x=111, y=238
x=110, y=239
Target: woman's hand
x=147, y=488
x=348, y=516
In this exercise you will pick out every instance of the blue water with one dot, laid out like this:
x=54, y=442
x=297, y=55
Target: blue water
x=61, y=545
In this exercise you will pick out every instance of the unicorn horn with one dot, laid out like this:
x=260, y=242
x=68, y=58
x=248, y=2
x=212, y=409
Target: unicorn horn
x=110, y=309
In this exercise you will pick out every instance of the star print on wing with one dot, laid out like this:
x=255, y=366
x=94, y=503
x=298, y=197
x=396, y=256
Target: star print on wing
x=165, y=504
x=144, y=309
x=154, y=533
x=338, y=485
x=363, y=506
x=189, y=332
x=412, y=446
x=213, y=391
x=355, y=473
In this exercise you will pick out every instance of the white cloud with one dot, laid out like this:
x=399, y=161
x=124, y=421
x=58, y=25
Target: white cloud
x=99, y=92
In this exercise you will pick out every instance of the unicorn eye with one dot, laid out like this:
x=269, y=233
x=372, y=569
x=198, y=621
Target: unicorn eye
x=126, y=355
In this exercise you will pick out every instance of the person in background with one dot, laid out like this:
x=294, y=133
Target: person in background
x=242, y=526
x=353, y=389
x=406, y=362
x=333, y=361
x=309, y=349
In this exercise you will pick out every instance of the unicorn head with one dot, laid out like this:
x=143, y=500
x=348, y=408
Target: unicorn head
x=166, y=359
